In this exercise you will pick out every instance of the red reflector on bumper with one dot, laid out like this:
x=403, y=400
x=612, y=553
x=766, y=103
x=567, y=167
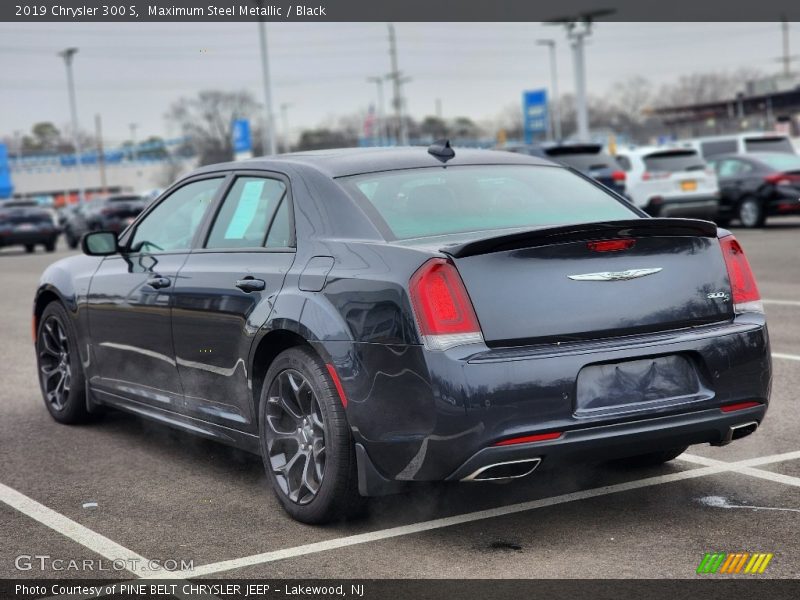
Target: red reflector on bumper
x=526, y=439
x=739, y=406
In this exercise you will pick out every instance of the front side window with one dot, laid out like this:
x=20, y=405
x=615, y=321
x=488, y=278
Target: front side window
x=173, y=224
x=440, y=201
x=247, y=213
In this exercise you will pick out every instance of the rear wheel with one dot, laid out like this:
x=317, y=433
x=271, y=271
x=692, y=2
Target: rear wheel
x=652, y=459
x=72, y=241
x=751, y=213
x=29, y=248
x=306, y=442
x=61, y=375
x=50, y=246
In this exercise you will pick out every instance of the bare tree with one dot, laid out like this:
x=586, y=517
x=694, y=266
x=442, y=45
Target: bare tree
x=208, y=121
x=706, y=87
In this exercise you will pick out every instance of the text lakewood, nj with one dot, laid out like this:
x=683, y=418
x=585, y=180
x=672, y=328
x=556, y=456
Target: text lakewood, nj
x=241, y=10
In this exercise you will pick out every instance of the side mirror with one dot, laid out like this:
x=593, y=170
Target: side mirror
x=100, y=243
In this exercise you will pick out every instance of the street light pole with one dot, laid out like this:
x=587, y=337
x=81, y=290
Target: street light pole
x=397, y=80
x=67, y=55
x=577, y=37
x=378, y=81
x=268, y=133
x=134, y=154
x=555, y=111
x=285, y=125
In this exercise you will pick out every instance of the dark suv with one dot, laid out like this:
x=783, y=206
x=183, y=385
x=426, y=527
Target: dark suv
x=26, y=223
x=589, y=159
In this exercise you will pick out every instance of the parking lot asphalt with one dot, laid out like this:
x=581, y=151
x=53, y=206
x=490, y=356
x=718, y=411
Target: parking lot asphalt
x=163, y=495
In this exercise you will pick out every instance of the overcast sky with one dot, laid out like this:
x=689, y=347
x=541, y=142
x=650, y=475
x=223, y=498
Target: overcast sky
x=130, y=73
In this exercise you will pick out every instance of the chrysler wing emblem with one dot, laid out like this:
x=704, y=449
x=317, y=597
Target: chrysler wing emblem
x=615, y=275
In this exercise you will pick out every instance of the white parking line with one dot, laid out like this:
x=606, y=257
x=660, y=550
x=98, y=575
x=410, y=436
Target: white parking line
x=782, y=302
x=745, y=467
x=111, y=550
x=373, y=536
x=786, y=356
x=92, y=540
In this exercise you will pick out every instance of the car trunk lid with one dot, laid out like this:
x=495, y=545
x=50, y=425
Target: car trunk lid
x=558, y=284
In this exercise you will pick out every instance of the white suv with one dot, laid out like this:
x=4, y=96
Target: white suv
x=670, y=182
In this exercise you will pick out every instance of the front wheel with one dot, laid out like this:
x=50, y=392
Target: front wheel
x=50, y=246
x=306, y=443
x=751, y=213
x=29, y=248
x=61, y=375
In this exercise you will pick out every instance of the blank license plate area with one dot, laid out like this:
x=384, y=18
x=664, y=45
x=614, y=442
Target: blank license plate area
x=637, y=385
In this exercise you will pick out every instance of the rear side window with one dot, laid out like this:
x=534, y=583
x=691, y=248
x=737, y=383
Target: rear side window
x=246, y=213
x=768, y=144
x=586, y=162
x=439, y=201
x=674, y=161
x=715, y=147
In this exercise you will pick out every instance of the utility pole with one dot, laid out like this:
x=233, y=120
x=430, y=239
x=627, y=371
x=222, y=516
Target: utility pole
x=380, y=116
x=555, y=110
x=397, y=79
x=67, y=55
x=439, y=108
x=787, y=59
x=285, y=125
x=134, y=153
x=101, y=157
x=268, y=131
x=579, y=27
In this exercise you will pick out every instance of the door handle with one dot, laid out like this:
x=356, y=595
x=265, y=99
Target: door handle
x=248, y=284
x=158, y=282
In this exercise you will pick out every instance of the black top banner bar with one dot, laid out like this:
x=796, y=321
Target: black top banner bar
x=396, y=10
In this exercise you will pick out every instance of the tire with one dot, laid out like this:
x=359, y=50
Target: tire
x=751, y=213
x=72, y=241
x=652, y=459
x=50, y=246
x=315, y=436
x=57, y=361
x=29, y=248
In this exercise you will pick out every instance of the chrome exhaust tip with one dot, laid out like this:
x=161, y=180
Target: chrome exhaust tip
x=736, y=432
x=504, y=471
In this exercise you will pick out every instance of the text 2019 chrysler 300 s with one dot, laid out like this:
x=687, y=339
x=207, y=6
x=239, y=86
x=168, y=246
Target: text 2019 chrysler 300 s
x=365, y=319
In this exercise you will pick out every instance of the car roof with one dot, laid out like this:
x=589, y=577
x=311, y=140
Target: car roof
x=341, y=162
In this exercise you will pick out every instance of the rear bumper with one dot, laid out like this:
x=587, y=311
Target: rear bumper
x=426, y=416
x=606, y=442
x=683, y=206
x=27, y=237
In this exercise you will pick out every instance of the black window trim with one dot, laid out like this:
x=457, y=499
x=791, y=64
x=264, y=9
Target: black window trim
x=127, y=235
x=204, y=232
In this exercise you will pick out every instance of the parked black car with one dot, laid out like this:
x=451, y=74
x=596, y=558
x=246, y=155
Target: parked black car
x=755, y=186
x=587, y=158
x=26, y=223
x=365, y=319
x=113, y=213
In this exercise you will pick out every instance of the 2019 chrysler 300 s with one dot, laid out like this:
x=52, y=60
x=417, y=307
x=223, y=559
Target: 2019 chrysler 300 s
x=368, y=318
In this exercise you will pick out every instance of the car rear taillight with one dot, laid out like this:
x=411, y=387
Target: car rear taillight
x=442, y=307
x=618, y=176
x=781, y=179
x=743, y=285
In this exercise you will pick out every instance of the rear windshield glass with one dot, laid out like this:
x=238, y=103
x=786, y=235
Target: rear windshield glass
x=781, y=162
x=670, y=162
x=768, y=144
x=440, y=201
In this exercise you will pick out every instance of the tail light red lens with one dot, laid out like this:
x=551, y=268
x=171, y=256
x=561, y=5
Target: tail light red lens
x=744, y=290
x=527, y=439
x=781, y=178
x=618, y=176
x=739, y=406
x=611, y=245
x=442, y=307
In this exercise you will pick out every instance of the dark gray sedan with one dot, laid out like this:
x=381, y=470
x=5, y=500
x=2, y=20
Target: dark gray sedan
x=368, y=319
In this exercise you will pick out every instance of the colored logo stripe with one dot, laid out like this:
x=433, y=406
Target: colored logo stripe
x=722, y=562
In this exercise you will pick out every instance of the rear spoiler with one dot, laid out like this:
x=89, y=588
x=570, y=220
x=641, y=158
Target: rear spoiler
x=584, y=231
